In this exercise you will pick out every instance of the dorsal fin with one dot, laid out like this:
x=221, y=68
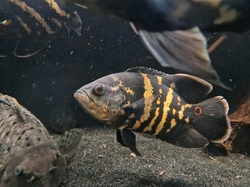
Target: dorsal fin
x=141, y=69
x=12, y=102
x=191, y=88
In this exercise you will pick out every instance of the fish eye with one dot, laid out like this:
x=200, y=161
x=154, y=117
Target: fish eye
x=18, y=171
x=99, y=89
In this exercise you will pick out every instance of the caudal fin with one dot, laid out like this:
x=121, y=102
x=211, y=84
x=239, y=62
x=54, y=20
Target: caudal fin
x=211, y=120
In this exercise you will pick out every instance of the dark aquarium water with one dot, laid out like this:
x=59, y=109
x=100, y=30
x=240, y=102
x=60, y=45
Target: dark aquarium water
x=45, y=82
x=63, y=61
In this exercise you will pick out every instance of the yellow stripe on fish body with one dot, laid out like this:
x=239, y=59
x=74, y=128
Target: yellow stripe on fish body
x=152, y=122
x=129, y=91
x=136, y=125
x=57, y=22
x=56, y=7
x=166, y=109
x=24, y=25
x=148, y=96
x=159, y=80
x=33, y=13
x=173, y=123
x=227, y=15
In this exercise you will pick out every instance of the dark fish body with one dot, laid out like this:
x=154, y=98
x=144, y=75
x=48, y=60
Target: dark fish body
x=29, y=156
x=36, y=20
x=167, y=106
x=170, y=29
x=161, y=15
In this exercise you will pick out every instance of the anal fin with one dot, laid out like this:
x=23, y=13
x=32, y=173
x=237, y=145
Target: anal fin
x=136, y=110
x=184, y=135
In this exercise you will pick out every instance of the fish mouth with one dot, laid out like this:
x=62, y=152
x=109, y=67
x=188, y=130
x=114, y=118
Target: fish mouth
x=85, y=102
x=80, y=94
x=82, y=98
x=89, y=106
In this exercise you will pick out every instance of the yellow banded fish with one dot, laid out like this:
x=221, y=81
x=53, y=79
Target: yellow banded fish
x=171, y=107
x=31, y=24
x=29, y=156
x=170, y=29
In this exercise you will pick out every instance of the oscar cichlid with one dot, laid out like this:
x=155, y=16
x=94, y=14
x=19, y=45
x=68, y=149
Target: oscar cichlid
x=171, y=107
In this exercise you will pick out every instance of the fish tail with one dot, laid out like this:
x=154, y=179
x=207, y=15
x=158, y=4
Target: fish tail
x=211, y=119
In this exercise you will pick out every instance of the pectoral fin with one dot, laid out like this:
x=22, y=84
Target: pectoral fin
x=3, y=163
x=136, y=110
x=69, y=142
x=74, y=23
x=127, y=138
x=184, y=50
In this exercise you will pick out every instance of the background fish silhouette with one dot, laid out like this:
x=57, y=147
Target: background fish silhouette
x=170, y=29
x=29, y=156
x=30, y=25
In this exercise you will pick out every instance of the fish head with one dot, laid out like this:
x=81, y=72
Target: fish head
x=40, y=166
x=102, y=99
